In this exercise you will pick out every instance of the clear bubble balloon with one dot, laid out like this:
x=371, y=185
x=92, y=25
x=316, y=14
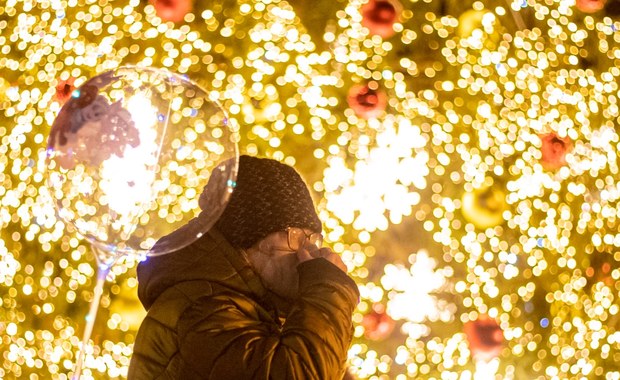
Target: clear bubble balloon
x=129, y=158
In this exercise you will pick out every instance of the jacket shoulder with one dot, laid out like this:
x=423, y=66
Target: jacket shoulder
x=155, y=354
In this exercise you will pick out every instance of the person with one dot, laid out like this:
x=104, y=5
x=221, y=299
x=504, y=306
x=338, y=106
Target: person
x=256, y=297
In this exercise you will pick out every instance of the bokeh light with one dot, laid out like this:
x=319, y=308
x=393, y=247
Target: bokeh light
x=464, y=155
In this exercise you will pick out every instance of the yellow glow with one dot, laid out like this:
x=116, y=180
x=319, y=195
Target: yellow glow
x=471, y=95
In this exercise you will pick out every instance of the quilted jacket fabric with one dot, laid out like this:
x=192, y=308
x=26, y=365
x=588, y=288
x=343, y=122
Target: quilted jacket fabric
x=209, y=317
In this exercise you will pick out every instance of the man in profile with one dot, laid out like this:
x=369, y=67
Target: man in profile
x=257, y=297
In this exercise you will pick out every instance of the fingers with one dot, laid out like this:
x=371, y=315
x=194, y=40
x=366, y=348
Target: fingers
x=337, y=261
x=304, y=255
x=310, y=252
x=322, y=252
x=330, y=256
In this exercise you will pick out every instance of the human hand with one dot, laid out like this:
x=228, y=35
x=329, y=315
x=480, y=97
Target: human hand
x=310, y=252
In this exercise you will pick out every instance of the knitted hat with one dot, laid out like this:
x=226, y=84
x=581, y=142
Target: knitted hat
x=269, y=197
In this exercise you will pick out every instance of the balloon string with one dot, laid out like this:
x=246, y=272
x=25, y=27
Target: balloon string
x=102, y=273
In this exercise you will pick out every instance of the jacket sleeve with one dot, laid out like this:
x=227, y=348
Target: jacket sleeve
x=225, y=336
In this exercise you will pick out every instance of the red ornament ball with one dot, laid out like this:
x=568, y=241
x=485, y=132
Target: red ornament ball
x=64, y=89
x=554, y=151
x=379, y=16
x=172, y=10
x=485, y=338
x=367, y=101
x=590, y=6
x=377, y=324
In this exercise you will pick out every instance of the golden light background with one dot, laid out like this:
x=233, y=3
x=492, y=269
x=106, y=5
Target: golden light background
x=463, y=154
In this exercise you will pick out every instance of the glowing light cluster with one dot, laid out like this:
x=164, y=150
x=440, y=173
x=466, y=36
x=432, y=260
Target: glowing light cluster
x=492, y=146
x=415, y=286
x=382, y=178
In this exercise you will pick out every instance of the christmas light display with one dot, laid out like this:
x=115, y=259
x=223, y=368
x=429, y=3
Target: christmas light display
x=465, y=155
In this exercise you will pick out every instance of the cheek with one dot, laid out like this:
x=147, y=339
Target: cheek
x=285, y=265
x=282, y=270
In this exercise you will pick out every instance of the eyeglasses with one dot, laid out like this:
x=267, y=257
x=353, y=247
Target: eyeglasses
x=297, y=237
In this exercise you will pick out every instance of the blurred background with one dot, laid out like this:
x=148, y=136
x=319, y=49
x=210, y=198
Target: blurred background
x=463, y=155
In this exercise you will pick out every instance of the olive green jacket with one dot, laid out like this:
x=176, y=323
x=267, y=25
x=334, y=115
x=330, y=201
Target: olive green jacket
x=209, y=317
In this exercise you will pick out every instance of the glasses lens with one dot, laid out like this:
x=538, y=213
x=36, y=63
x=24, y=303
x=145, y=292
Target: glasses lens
x=316, y=239
x=296, y=237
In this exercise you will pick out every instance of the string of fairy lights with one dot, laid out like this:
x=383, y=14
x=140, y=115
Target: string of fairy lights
x=490, y=128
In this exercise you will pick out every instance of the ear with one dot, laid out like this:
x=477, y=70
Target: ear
x=264, y=246
x=260, y=248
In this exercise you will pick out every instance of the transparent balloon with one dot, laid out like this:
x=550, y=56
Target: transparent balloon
x=134, y=155
x=129, y=156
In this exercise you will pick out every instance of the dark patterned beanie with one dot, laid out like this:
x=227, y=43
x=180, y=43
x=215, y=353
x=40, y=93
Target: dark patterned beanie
x=269, y=197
